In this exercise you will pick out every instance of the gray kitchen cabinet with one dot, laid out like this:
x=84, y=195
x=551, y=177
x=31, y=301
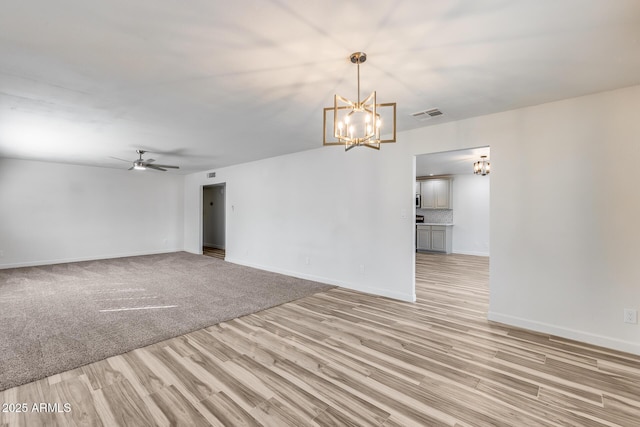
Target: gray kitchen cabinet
x=436, y=238
x=423, y=237
x=439, y=238
x=436, y=193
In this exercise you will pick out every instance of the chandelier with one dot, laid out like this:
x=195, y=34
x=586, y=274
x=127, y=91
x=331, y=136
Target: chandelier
x=359, y=123
x=482, y=166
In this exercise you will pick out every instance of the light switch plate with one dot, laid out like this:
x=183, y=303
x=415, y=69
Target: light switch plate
x=630, y=316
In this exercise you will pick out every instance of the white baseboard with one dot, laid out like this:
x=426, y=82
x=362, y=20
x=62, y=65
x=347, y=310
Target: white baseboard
x=369, y=290
x=572, y=334
x=80, y=259
x=471, y=253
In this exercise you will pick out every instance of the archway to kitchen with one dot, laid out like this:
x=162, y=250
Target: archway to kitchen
x=452, y=217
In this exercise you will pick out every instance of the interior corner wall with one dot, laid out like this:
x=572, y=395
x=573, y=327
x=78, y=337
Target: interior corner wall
x=471, y=207
x=53, y=213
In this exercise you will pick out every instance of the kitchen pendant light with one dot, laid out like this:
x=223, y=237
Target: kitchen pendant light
x=482, y=166
x=359, y=123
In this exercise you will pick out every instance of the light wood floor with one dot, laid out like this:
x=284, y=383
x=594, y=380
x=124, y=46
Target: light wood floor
x=342, y=358
x=213, y=252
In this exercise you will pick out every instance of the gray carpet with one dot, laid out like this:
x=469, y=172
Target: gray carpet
x=59, y=317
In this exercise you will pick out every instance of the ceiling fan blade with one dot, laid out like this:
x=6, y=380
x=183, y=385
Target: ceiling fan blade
x=130, y=168
x=168, y=166
x=150, y=160
x=117, y=158
x=156, y=167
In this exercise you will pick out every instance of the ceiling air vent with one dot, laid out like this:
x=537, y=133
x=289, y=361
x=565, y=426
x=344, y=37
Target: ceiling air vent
x=427, y=114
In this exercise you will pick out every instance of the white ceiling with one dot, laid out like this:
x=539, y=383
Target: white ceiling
x=457, y=162
x=205, y=84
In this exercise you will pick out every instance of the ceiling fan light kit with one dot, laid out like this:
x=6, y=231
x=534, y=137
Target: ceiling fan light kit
x=359, y=123
x=139, y=164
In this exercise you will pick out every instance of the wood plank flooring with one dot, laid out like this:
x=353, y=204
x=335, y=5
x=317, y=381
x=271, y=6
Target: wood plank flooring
x=343, y=358
x=213, y=252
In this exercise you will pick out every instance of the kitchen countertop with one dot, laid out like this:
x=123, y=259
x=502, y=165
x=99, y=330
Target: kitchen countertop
x=435, y=223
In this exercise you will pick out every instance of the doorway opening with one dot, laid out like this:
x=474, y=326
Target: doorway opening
x=452, y=210
x=213, y=220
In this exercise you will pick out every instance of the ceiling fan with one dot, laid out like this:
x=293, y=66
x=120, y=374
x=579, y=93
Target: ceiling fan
x=141, y=164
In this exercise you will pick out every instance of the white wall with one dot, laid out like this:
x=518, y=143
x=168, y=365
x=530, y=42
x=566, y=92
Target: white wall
x=564, y=214
x=471, y=198
x=52, y=213
x=342, y=211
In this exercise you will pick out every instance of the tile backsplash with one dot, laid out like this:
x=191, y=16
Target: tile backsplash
x=436, y=215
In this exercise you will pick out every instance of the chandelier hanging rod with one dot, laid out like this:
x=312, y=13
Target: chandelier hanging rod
x=358, y=58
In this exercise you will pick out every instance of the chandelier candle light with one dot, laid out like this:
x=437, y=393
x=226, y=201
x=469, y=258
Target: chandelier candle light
x=359, y=123
x=482, y=166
